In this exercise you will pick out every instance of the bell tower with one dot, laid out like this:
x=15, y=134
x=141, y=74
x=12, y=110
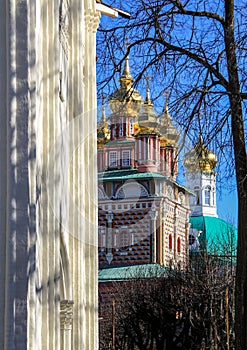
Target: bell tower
x=201, y=179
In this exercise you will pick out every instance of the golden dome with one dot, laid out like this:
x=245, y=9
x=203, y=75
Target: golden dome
x=200, y=158
x=125, y=100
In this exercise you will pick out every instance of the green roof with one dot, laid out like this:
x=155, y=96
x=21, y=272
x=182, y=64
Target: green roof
x=217, y=236
x=119, y=142
x=126, y=174
x=133, y=173
x=131, y=272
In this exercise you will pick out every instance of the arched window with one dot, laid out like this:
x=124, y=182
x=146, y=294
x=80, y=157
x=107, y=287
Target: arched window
x=113, y=159
x=123, y=241
x=170, y=241
x=131, y=189
x=178, y=245
x=126, y=158
x=207, y=195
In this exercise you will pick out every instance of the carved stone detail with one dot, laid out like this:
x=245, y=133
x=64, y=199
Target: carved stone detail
x=66, y=314
x=64, y=17
x=92, y=21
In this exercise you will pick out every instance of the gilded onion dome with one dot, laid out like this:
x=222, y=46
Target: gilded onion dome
x=200, y=158
x=125, y=100
x=169, y=134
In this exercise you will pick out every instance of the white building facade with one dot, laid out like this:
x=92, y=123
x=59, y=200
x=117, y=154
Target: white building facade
x=48, y=201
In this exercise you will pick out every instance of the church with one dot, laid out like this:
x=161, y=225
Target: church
x=149, y=225
x=146, y=219
x=146, y=216
x=143, y=210
x=48, y=179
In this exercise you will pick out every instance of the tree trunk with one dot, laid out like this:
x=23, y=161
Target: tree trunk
x=241, y=177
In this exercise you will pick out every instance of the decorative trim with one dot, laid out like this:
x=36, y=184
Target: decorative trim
x=66, y=314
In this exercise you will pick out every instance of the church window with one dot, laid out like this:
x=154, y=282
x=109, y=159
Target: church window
x=113, y=131
x=207, y=195
x=121, y=128
x=126, y=158
x=113, y=159
x=124, y=239
x=131, y=127
x=132, y=190
x=178, y=245
x=170, y=241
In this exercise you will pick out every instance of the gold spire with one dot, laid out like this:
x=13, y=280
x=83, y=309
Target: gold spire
x=125, y=99
x=166, y=101
x=200, y=158
x=148, y=99
x=103, y=133
x=103, y=117
x=165, y=117
x=170, y=134
x=126, y=79
x=147, y=118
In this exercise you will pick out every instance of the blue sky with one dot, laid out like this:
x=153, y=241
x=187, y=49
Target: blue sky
x=227, y=205
x=226, y=189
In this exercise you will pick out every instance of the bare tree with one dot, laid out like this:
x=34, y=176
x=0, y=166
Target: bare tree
x=181, y=310
x=197, y=49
